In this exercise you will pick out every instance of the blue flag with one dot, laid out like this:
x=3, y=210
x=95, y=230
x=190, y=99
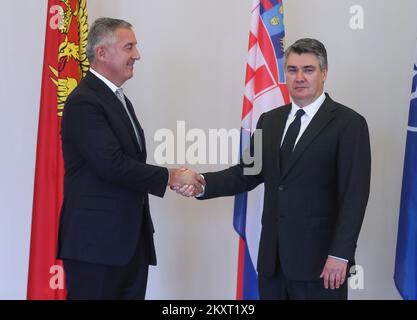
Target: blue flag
x=405, y=275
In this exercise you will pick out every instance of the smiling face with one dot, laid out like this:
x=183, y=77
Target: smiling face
x=305, y=78
x=117, y=57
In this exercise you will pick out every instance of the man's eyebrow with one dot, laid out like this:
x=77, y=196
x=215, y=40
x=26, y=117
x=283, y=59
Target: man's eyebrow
x=130, y=44
x=306, y=66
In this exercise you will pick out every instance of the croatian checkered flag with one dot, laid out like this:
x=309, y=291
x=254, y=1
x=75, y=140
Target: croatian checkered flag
x=265, y=89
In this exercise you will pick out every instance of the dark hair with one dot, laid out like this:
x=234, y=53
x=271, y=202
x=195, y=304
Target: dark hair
x=308, y=45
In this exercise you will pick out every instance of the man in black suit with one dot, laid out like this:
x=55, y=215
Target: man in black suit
x=316, y=165
x=106, y=231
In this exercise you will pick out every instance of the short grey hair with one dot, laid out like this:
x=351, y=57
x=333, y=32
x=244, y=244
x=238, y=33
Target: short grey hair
x=308, y=45
x=102, y=31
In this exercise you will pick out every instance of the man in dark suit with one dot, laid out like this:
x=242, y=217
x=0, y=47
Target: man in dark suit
x=316, y=165
x=106, y=231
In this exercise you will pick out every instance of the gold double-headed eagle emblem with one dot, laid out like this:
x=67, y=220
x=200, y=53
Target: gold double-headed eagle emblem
x=70, y=49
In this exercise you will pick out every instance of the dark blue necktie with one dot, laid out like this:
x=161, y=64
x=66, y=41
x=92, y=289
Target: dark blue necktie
x=289, y=140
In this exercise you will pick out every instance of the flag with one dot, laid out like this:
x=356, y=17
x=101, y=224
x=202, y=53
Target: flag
x=65, y=63
x=265, y=89
x=405, y=274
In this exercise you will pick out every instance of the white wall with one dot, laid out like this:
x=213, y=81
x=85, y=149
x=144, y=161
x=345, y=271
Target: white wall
x=192, y=69
x=23, y=32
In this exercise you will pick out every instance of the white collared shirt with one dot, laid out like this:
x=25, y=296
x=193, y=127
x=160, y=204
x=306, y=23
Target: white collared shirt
x=110, y=84
x=310, y=112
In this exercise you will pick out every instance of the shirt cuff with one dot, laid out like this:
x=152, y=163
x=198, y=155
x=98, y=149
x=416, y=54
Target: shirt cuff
x=337, y=258
x=204, y=189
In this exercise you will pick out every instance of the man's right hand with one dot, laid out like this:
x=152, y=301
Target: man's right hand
x=191, y=182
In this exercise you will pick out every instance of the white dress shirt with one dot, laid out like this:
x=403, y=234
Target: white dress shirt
x=310, y=112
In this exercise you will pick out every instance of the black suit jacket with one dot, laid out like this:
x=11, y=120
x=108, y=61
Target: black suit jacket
x=106, y=209
x=315, y=207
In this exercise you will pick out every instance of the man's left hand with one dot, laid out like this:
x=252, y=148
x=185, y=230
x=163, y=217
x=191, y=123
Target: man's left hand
x=334, y=273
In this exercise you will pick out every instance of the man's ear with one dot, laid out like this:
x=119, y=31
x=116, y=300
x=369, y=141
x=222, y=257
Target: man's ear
x=101, y=53
x=325, y=75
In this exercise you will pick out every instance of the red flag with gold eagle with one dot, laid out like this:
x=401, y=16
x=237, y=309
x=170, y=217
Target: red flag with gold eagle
x=65, y=63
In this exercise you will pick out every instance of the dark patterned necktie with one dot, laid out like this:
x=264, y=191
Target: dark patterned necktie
x=289, y=140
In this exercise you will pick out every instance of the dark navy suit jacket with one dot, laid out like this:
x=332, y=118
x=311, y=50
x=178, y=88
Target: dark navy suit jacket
x=107, y=180
x=315, y=207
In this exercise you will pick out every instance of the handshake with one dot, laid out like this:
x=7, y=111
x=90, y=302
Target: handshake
x=186, y=182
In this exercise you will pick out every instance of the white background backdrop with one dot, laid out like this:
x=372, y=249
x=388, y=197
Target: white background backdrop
x=192, y=69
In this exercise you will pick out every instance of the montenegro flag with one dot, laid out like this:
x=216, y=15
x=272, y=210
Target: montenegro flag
x=65, y=64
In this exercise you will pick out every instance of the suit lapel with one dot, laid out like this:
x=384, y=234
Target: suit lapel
x=115, y=105
x=278, y=131
x=138, y=126
x=323, y=116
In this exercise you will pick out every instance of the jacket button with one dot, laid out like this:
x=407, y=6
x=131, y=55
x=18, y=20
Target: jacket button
x=281, y=188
